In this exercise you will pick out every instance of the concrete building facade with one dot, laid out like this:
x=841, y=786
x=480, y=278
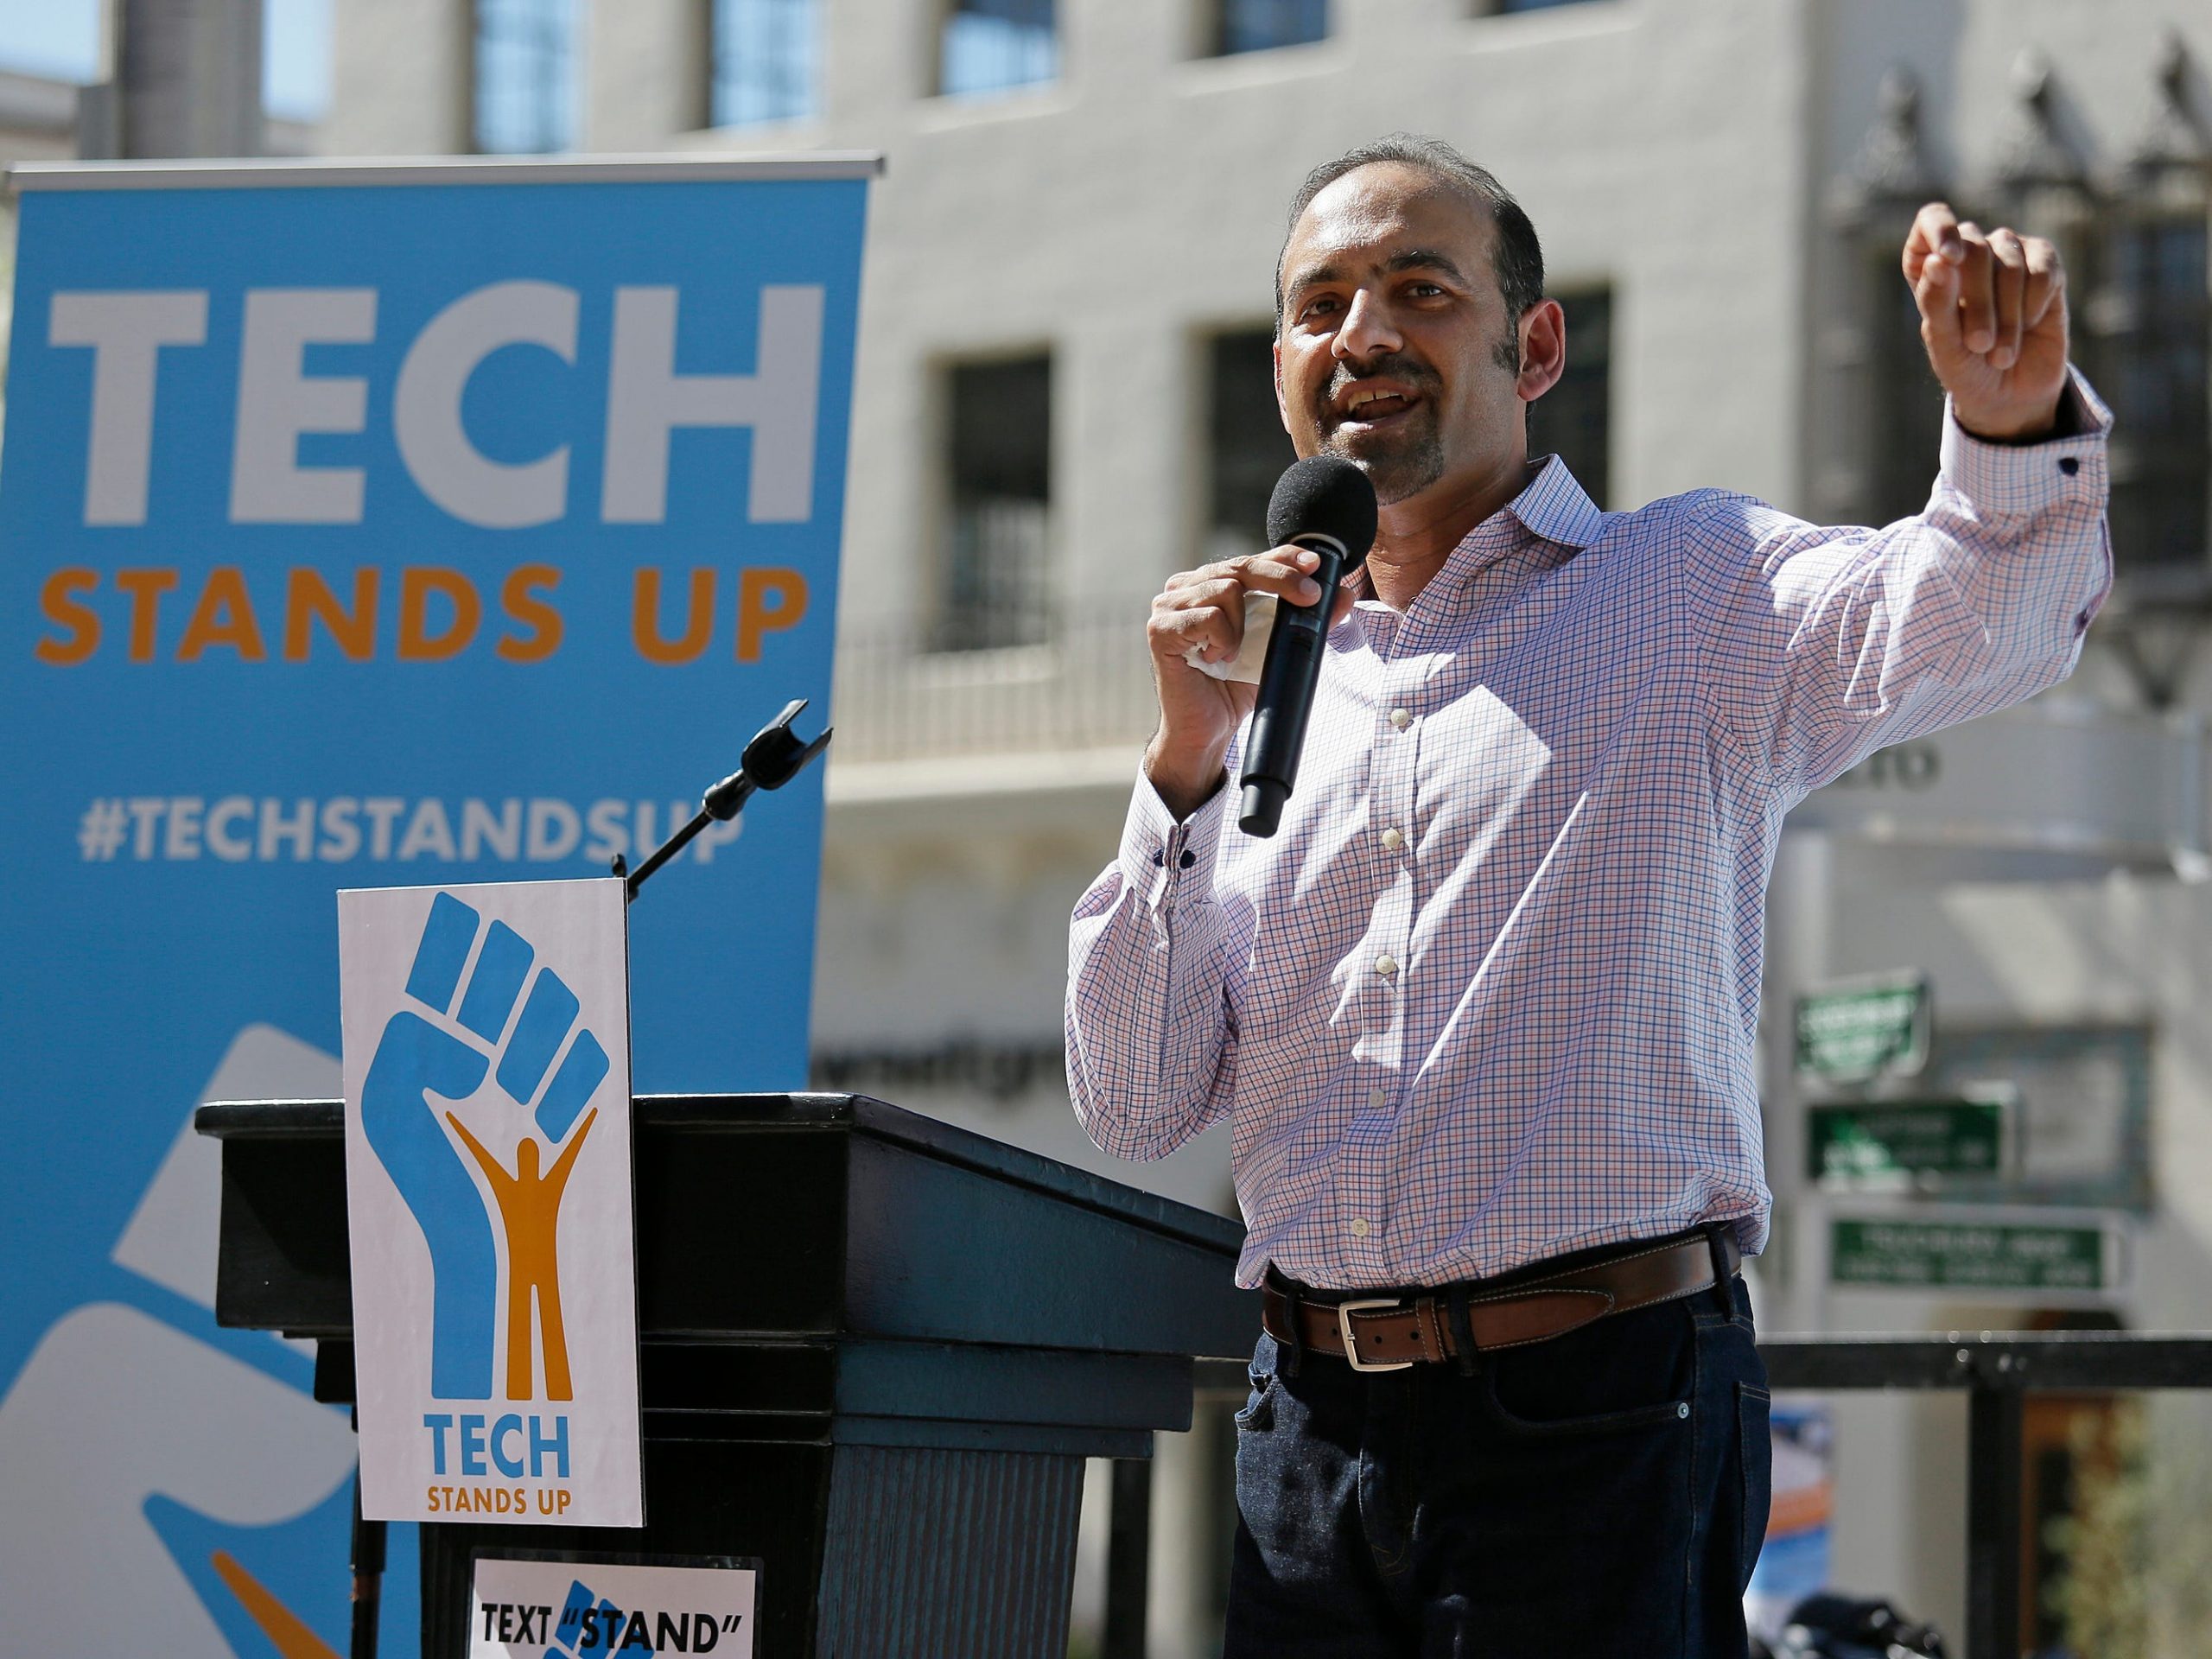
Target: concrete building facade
x=1721, y=181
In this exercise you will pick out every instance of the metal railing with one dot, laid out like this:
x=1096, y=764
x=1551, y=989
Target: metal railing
x=1088, y=686
x=1998, y=1370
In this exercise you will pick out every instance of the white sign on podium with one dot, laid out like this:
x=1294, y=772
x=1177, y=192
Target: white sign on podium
x=528, y=1607
x=488, y=1194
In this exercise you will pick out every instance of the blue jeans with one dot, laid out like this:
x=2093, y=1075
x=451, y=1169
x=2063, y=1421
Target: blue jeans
x=1599, y=1495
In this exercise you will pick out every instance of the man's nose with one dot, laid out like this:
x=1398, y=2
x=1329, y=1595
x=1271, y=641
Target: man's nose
x=1367, y=329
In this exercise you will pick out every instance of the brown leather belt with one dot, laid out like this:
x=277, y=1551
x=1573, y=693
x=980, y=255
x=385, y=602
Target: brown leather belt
x=1389, y=1333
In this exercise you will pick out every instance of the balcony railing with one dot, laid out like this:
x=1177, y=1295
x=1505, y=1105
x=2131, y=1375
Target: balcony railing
x=1088, y=686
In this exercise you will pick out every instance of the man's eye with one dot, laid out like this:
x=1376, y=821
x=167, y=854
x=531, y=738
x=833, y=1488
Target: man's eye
x=1320, y=307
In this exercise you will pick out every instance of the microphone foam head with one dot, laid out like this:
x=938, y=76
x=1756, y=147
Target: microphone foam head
x=1324, y=495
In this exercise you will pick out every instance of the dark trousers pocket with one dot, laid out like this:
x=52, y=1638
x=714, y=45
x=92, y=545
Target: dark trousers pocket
x=1636, y=1371
x=1259, y=1407
x=1603, y=1422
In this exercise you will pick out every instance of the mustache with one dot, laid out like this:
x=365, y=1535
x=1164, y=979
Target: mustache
x=1394, y=366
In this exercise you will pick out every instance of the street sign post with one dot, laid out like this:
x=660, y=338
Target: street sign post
x=1896, y=1144
x=1865, y=1028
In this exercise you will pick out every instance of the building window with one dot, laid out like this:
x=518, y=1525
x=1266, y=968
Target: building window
x=1574, y=420
x=1261, y=25
x=1246, y=447
x=764, y=54
x=525, y=93
x=997, y=572
x=988, y=46
x=2150, y=358
x=1905, y=428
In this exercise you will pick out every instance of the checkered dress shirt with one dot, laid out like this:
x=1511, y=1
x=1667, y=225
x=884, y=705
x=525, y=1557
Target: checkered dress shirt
x=1490, y=993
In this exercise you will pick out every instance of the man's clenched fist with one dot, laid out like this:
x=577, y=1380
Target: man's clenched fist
x=1204, y=610
x=1993, y=312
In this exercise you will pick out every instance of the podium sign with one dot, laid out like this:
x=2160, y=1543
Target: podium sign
x=540, y=1608
x=487, y=1060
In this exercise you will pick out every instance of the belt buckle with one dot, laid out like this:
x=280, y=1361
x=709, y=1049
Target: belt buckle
x=1345, y=1311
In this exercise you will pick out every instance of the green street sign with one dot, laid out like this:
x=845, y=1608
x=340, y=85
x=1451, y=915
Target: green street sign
x=1892, y=1143
x=1970, y=1255
x=1868, y=1028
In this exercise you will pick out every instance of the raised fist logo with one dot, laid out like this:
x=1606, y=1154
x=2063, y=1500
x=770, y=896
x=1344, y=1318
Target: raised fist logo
x=470, y=1030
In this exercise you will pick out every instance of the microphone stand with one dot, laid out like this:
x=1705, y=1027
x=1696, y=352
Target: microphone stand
x=772, y=759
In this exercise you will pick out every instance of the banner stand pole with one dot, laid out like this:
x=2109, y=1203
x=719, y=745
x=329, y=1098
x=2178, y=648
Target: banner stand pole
x=368, y=1578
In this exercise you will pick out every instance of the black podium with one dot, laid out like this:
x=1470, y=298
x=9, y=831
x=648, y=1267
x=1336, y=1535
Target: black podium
x=875, y=1351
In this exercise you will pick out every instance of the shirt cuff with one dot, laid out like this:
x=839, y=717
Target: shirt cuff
x=2026, y=479
x=1171, y=862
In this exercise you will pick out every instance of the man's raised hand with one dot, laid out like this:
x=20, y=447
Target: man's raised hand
x=1993, y=312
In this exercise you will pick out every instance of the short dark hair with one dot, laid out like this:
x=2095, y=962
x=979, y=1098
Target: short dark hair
x=1516, y=257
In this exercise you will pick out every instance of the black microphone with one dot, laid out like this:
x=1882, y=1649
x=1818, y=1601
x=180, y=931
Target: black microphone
x=1326, y=503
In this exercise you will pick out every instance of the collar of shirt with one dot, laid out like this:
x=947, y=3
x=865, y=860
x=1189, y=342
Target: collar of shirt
x=1551, y=507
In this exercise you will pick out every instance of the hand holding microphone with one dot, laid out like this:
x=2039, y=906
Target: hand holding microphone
x=1322, y=522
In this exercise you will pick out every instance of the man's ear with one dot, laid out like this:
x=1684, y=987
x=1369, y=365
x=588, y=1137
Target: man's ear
x=1282, y=409
x=1543, y=350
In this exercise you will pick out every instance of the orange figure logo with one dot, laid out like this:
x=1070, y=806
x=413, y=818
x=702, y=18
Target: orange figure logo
x=529, y=1209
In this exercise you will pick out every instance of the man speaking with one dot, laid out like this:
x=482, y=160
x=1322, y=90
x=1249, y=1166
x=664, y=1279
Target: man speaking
x=1481, y=1015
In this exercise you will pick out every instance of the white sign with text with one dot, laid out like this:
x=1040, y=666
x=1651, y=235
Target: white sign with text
x=487, y=1064
x=532, y=1608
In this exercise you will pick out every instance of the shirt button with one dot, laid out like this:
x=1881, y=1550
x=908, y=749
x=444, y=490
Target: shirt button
x=1359, y=1227
x=1392, y=840
x=1386, y=965
x=1376, y=1100
x=1401, y=718
x=2068, y=465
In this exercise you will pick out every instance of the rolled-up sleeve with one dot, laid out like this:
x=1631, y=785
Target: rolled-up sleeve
x=1823, y=645
x=1151, y=1047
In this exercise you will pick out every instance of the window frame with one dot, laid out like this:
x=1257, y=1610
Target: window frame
x=713, y=55
x=1213, y=42
x=947, y=11
x=1607, y=289
x=941, y=629
x=568, y=61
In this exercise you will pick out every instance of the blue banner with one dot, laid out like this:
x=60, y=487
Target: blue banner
x=361, y=528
